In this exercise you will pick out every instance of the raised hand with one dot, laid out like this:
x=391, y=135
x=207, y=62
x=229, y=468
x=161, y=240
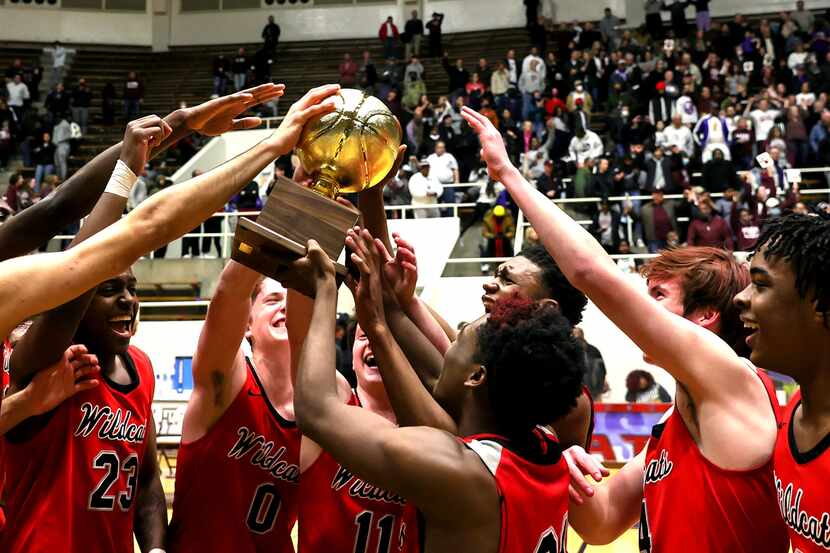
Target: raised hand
x=493, y=151
x=400, y=272
x=220, y=115
x=308, y=273
x=368, y=291
x=580, y=463
x=141, y=136
x=75, y=372
x=315, y=102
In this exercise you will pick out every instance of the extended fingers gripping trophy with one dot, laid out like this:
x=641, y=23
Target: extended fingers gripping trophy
x=347, y=150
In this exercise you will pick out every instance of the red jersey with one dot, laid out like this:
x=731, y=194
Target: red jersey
x=237, y=486
x=689, y=504
x=72, y=485
x=533, y=492
x=340, y=512
x=801, y=483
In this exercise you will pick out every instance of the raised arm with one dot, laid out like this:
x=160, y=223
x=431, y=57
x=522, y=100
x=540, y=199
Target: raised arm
x=157, y=221
x=426, y=466
x=52, y=332
x=34, y=226
x=666, y=338
x=219, y=364
x=410, y=399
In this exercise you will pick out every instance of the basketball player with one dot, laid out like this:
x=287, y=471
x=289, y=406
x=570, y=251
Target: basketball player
x=24, y=281
x=239, y=421
x=711, y=456
x=34, y=226
x=787, y=308
x=501, y=489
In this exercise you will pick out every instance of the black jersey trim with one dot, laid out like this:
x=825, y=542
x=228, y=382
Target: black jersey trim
x=657, y=430
x=135, y=378
x=282, y=421
x=807, y=456
x=537, y=447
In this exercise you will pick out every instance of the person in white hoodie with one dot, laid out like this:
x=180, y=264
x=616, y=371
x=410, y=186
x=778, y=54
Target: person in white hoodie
x=424, y=191
x=586, y=144
x=677, y=134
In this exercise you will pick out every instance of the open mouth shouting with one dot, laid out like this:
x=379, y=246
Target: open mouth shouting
x=122, y=326
x=752, y=326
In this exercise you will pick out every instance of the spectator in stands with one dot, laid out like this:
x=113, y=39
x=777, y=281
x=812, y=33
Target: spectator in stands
x=81, y=100
x=803, y=18
x=500, y=84
x=605, y=226
x=475, y=90
x=659, y=174
x=585, y=145
x=61, y=138
x=368, y=74
x=743, y=141
x=747, y=229
x=820, y=139
x=108, y=99
x=348, y=71
x=16, y=182
x=642, y=388
x=414, y=86
x=498, y=230
x=709, y=229
x=763, y=118
x=57, y=104
x=271, y=35
x=677, y=9
x=133, y=96
x=425, y=190
x=654, y=21
x=719, y=173
x=701, y=15
x=712, y=133
x=608, y=27
x=220, y=75
x=44, y=157
x=436, y=47
x=6, y=146
x=531, y=82
x=458, y=77
x=58, y=53
x=388, y=35
x=414, y=32
x=16, y=68
x=239, y=67
x=680, y=137
x=658, y=219
x=661, y=107
x=443, y=167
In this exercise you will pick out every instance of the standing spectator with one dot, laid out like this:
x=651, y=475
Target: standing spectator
x=654, y=23
x=605, y=226
x=5, y=140
x=32, y=76
x=271, y=35
x=133, y=97
x=57, y=104
x=61, y=138
x=240, y=67
x=443, y=167
x=475, y=90
x=220, y=75
x=679, y=136
x=531, y=81
x=531, y=12
x=16, y=68
x=16, y=181
x=709, y=228
x=414, y=69
x=712, y=133
x=658, y=220
x=743, y=140
x=803, y=18
x=348, y=70
x=44, y=158
x=81, y=100
x=642, y=388
x=719, y=173
x=436, y=47
x=58, y=53
x=702, y=19
x=659, y=174
x=388, y=34
x=18, y=96
x=585, y=145
x=763, y=118
x=499, y=230
x=190, y=244
x=368, y=73
x=425, y=190
x=661, y=107
x=530, y=58
x=513, y=68
x=608, y=27
x=213, y=225
x=414, y=30
x=677, y=9
x=108, y=98
x=458, y=77
x=263, y=60
x=747, y=228
x=579, y=97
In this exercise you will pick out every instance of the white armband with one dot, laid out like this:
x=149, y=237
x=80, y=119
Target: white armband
x=157, y=550
x=121, y=181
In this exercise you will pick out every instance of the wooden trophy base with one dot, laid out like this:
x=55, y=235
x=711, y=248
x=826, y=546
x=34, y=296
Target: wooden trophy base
x=292, y=215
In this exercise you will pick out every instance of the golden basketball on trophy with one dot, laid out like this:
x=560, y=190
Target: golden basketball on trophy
x=346, y=150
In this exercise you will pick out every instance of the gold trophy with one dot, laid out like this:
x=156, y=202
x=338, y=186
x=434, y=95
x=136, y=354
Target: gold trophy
x=347, y=150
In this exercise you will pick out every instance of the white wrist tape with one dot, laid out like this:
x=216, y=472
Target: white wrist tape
x=121, y=181
x=157, y=550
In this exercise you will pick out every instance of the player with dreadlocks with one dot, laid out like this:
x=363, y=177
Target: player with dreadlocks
x=787, y=307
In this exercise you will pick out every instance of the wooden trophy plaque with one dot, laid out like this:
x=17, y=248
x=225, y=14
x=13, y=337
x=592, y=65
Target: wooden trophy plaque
x=291, y=216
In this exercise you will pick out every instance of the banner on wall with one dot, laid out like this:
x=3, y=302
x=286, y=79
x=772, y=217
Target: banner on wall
x=621, y=430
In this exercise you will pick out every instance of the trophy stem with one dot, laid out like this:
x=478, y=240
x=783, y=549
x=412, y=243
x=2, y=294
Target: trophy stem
x=326, y=183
